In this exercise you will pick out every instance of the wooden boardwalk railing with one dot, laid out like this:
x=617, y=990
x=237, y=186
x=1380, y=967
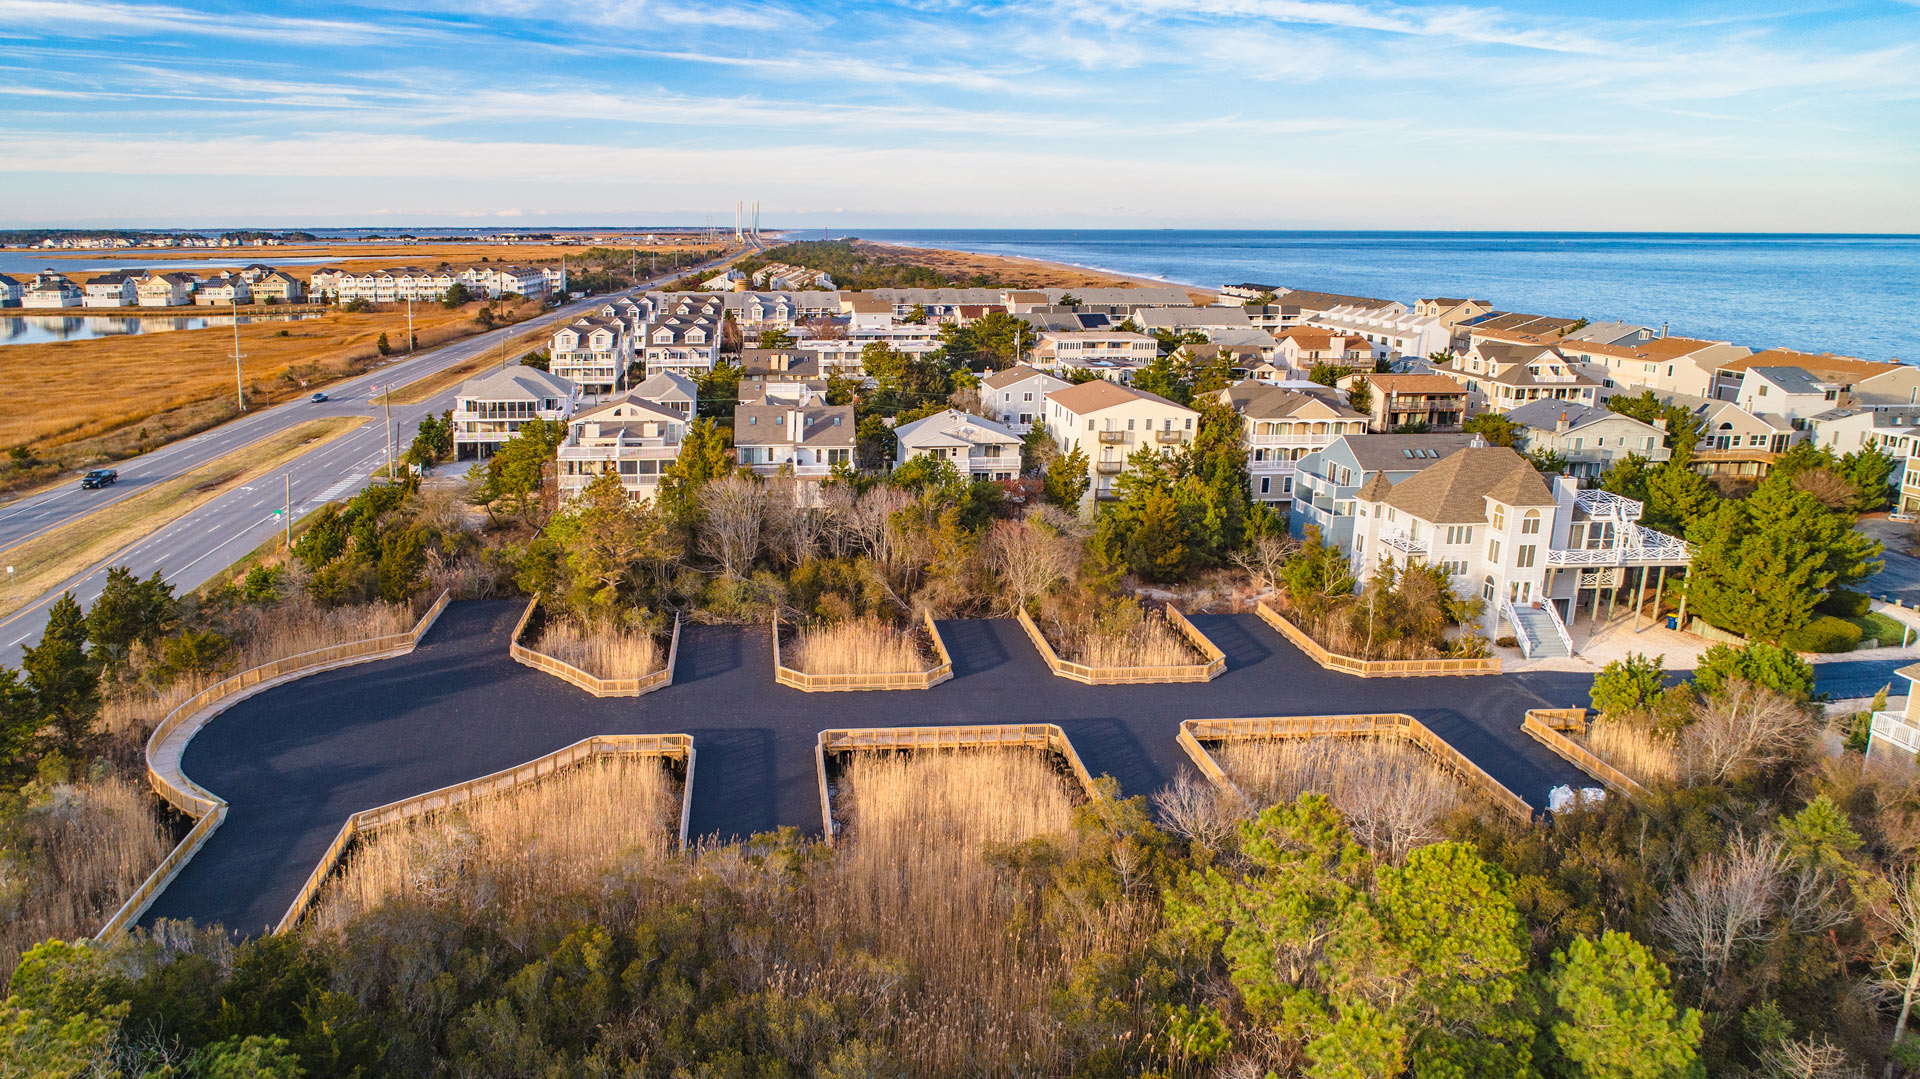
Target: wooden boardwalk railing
x=1046, y=737
x=1371, y=668
x=1546, y=726
x=1195, y=732
x=1125, y=676
x=599, y=687
x=832, y=683
x=671, y=746
x=168, y=743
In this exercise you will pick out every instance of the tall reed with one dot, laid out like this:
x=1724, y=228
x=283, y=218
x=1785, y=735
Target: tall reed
x=1150, y=641
x=855, y=646
x=79, y=851
x=1394, y=796
x=608, y=652
x=497, y=856
x=1645, y=755
x=912, y=877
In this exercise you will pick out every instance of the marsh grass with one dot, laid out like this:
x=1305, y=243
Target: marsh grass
x=495, y=857
x=1148, y=640
x=855, y=646
x=1394, y=796
x=80, y=849
x=603, y=652
x=1648, y=756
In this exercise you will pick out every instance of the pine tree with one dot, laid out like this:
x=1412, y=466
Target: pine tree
x=65, y=680
x=1612, y=1015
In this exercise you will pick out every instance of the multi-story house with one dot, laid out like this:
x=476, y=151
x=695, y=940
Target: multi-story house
x=1205, y=320
x=591, y=352
x=759, y=311
x=1502, y=376
x=1302, y=348
x=866, y=311
x=671, y=391
x=629, y=435
x=1895, y=732
x=1664, y=365
x=1298, y=307
x=1393, y=334
x=1842, y=373
x=1740, y=444
x=1016, y=397
x=779, y=364
x=1589, y=439
x=1281, y=427
x=277, y=286
x=491, y=409
x=1115, y=356
x=50, y=290
x=1892, y=429
x=1504, y=534
x=1540, y=327
x=687, y=344
x=1397, y=401
x=10, y=291
x=1789, y=392
x=166, y=289
x=120, y=288
x=1451, y=311
x=809, y=440
x=225, y=290
x=978, y=448
x=1109, y=422
x=1327, y=480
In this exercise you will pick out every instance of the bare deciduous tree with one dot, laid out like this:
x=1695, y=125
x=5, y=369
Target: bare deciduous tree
x=730, y=532
x=1898, y=958
x=1263, y=558
x=1028, y=560
x=1809, y=1058
x=792, y=527
x=1724, y=905
x=1747, y=727
x=1196, y=809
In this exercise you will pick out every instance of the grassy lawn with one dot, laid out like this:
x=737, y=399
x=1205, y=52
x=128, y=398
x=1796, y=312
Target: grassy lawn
x=42, y=562
x=1874, y=625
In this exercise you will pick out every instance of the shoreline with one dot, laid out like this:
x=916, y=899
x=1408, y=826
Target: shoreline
x=1103, y=278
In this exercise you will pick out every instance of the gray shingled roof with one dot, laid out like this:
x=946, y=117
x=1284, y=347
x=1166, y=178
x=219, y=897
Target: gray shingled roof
x=1455, y=490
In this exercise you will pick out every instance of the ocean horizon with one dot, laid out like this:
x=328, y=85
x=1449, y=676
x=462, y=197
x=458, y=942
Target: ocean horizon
x=1851, y=294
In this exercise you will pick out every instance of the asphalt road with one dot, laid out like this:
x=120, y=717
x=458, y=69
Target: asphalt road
x=295, y=761
x=195, y=547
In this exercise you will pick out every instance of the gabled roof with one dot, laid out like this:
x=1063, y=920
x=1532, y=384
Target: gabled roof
x=1825, y=365
x=1398, y=453
x=1513, y=320
x=1194, y=317
x=1264, y=401
x=1544, y=415
x=1375, y=488
x=1100, y=393
x=1455, y=490
x=766, y=425
x=1414, y=384
x=1791, y=379
x=517, y=383
x=1015, y=375
x=629, y=406
x=665, y=385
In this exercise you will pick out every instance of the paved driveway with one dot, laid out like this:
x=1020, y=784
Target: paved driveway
x=295, y=761
x=1901, y=579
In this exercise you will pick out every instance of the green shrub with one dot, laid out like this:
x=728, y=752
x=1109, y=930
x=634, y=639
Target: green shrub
x=1824, y=634
x=1630, y=686
x=1763, y=664
x=1876, y=626
x=1846, y=603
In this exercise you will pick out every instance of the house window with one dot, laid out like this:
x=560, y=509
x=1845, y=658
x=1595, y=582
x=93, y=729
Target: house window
x=1486, y=589
x=1265, y=481
x=1459, y=534
x=1493, y=551
x=1523, y=558
x=1499, y=518
x=1530, y=524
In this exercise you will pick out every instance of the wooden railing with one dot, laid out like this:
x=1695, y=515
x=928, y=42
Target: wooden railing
x=1550, y=727
x=1047, y=737
x=671, y=746
x=1371, y=668
x=1195, y=732
x=599, y=687
x=1123, y=676
x=831, y=683
x=168, y=743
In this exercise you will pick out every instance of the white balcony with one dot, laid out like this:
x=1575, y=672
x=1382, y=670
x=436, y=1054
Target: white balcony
x=1893, y=729
x=1642, y=547
x=1310, y=441
x=1401, y=541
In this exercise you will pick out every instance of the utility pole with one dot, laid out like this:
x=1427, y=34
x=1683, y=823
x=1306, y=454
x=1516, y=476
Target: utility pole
x=409, y=322
x=288, y=476
x=239, y=386
x=389, y=432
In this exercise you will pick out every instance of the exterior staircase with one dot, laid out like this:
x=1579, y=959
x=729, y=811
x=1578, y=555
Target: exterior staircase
x=1539, y=632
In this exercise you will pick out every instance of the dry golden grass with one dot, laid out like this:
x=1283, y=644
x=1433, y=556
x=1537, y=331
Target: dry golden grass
x=42, y=562
x=516, y=346
x=1645, y=755
x=911, y=876
x=84, y=389
x=83, y=849
x=1022, y=272
x=1150, y=642
x=855, y=646
x=1393, y=795
x=602, y=653
x=566, y=833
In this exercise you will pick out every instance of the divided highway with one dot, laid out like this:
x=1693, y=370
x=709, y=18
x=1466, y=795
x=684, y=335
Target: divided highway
x=197, y=546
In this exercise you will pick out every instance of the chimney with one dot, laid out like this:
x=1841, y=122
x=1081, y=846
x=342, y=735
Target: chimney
x=1562, y=424
x=1663, y=330
x=796, y=425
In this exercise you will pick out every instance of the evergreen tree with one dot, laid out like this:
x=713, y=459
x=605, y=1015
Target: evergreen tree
x=130, y=610
x=1360, y=395
x=703, y=456
x=19, y=726
x=1612, y=1015
x=1760, y=566
x=1066, y=481
x=1628, y=477
x=64, y=679
x=1677, y=496
x=1497, y=429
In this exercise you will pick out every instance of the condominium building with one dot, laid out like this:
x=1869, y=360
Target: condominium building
x=491, y=409
x=1282, y=426
x=1392, y=333
x=1115, y=356
x=629, y=435
x=807, y=440
x=592, y=352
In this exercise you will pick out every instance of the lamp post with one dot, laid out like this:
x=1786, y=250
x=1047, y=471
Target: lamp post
x=239, y=386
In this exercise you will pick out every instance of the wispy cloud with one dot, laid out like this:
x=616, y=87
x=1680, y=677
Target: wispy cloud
x=93, y=18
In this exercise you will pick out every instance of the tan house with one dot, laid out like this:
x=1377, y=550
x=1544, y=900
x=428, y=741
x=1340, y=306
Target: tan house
x=1303, y=347
x=810, y=439
x=1501, y=377
x=1110, y=422
x=630, y=435
x=1398, y=400
x=166, y=290
x=1842, y=373
x=1113, y=355
x=1016, y=397
x=1682, y=365
x=1282, y=426
x=1451, y=311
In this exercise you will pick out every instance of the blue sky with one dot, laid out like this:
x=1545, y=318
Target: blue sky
x=1046, y=113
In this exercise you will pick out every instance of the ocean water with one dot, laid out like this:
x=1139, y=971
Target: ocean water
x=1855, y=295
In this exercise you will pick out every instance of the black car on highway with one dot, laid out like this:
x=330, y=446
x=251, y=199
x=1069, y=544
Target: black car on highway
x=99, y=477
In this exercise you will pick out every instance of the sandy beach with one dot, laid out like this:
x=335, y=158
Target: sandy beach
x=1029, y=272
